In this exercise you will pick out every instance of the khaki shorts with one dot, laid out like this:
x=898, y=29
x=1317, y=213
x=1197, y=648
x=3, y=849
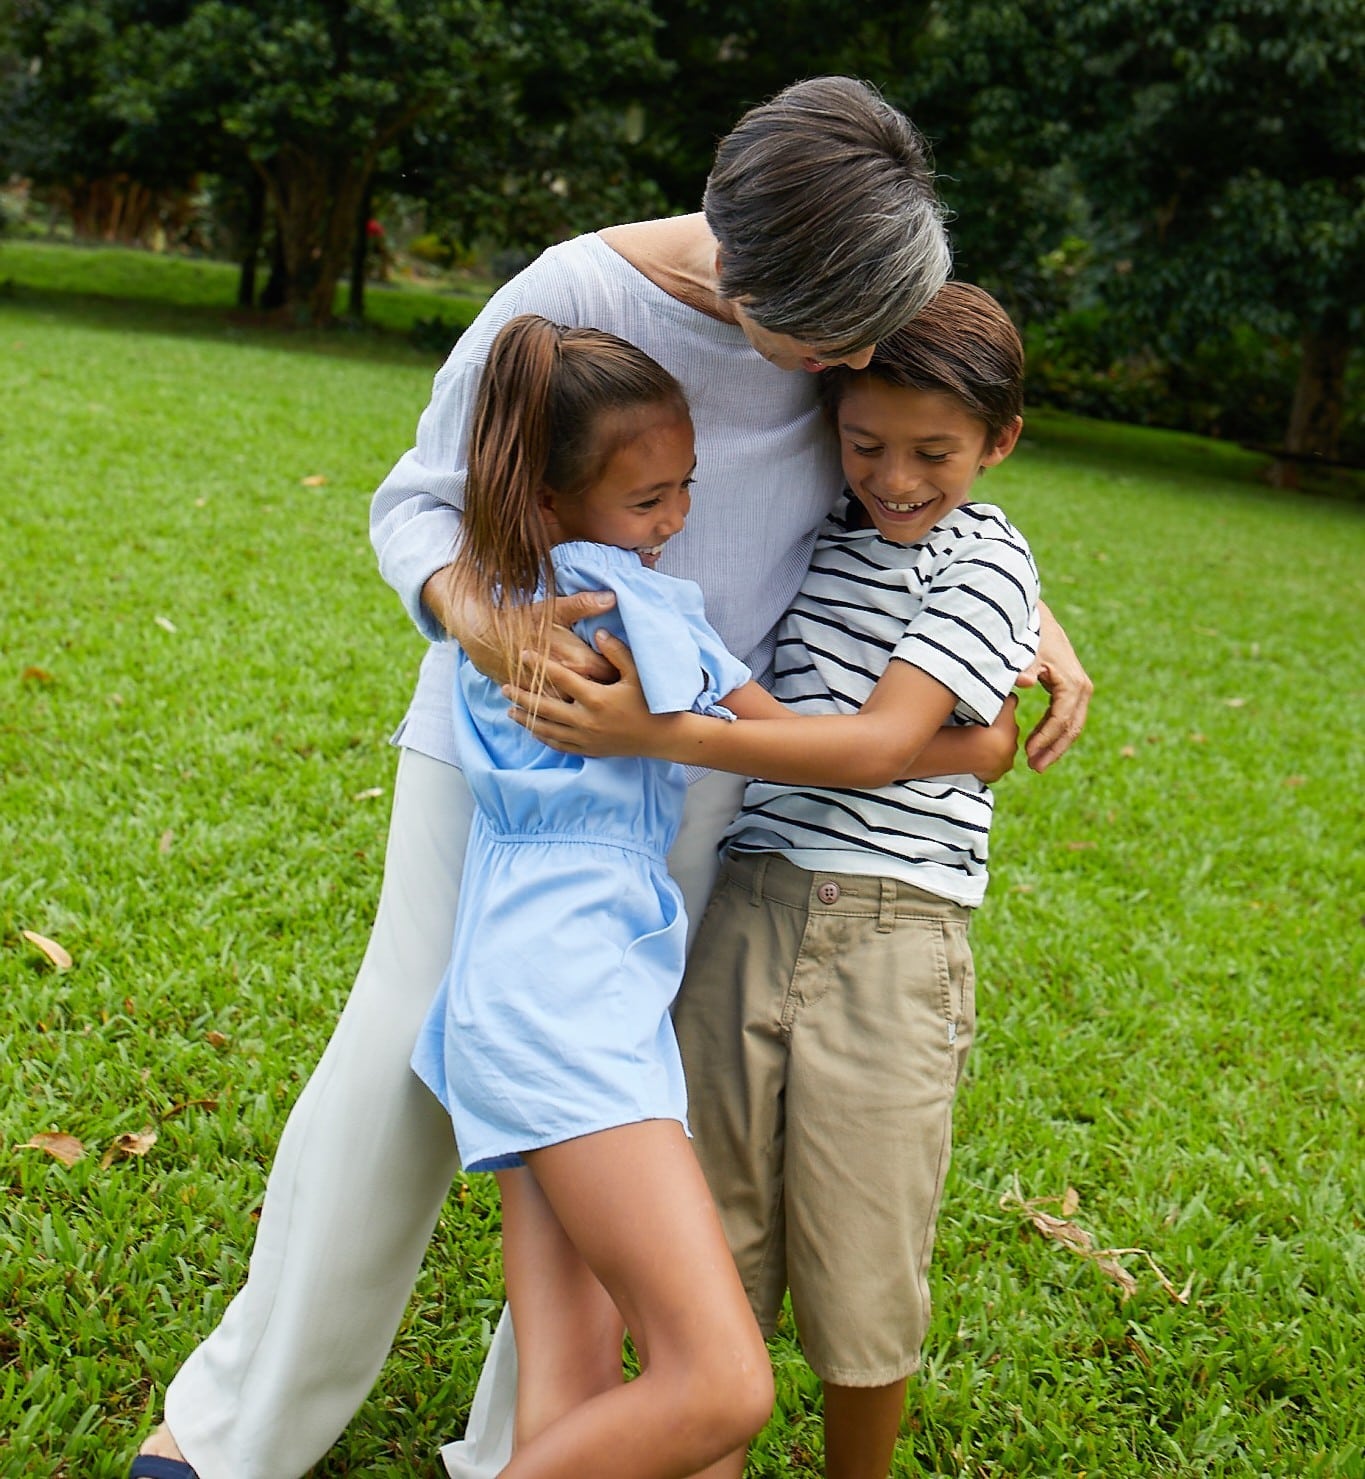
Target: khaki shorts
x=824, y=1023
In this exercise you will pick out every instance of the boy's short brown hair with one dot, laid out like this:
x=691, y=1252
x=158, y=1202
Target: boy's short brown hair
x=962, y=344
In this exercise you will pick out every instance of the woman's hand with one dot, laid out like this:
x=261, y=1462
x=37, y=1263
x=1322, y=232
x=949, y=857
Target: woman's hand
x=580, y=716
x=1058, y=669
x=467, y=621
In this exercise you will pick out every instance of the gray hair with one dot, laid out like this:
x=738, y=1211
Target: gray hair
x=823, y=204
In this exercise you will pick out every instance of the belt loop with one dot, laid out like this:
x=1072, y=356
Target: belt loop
x=886, y=911
x=756, y=887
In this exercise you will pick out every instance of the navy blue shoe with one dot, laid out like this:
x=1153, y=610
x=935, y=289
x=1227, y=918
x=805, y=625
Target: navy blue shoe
x=148, y=1466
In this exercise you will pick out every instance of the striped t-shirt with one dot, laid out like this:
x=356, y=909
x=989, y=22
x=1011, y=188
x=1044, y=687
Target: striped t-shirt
x=961, y=606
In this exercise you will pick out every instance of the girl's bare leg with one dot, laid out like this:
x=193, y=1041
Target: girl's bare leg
x=569, y=1332
x=634, y=1204
x=730, y=1467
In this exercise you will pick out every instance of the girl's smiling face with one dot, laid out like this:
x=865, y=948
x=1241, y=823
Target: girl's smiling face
x=911, y=456
x=640, y=500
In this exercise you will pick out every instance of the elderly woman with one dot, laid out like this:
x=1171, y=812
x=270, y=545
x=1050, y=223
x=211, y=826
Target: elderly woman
x=820, y=232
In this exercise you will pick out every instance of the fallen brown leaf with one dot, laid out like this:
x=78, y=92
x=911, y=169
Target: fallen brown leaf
x=216, y=1039
x=189, y=1104
x=35, y=675
x=1080, y=846
x=58, y=955
x=166, y=842
x=1294, y=780
x=1082, y=1243
x=65, y=1148
x=1128, y=752
x=316, y=480
x=129, y=1145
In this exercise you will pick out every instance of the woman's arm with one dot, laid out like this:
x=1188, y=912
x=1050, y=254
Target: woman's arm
x=889, y=739
x=1069, y=687
x=469, y=623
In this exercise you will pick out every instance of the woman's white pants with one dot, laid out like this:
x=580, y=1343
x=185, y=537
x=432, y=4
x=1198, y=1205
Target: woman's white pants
x=361, y=1172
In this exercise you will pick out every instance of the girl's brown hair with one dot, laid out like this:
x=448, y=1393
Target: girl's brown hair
x=540, y=421
x=962, y=344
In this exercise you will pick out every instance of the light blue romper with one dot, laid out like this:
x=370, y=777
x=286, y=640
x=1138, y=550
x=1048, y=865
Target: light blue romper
x=552, y=1019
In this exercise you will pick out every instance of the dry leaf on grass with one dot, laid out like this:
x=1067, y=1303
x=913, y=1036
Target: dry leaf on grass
x=1070, y=1235
x=167, y=841
x=65, y=1148
x=216, y=1039
x=165, y=623
x=189, y=1104
x=1235, y=703
x=129, y=1145
x=35, y=675
x=369, y=794
x=57, y=954
x=315, y=480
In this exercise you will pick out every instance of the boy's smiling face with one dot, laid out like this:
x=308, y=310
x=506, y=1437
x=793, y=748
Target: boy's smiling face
x=911, y=456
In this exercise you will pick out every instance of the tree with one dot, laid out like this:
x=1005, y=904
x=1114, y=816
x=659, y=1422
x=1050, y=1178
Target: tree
x=1244, y=148
x=81, y=114
x=548, y=144
x=728, y=55
x=306, y=96
x=1220, y=148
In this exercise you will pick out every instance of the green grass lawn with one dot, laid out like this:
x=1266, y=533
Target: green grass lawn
x=198, y=670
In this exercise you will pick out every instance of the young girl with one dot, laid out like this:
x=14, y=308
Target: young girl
x=829, y=1002
x=550, y=1041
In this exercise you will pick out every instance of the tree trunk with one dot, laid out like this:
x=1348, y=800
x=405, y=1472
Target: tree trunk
x=276, y=292
x=1320, y=394
x=1319, y=401
x=360, y=255
x=251, y=242
x=316, y=199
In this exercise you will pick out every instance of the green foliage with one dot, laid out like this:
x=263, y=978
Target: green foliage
x=1239, y=386
x=727, y=55
x=1169, y=960
x=522, y=137
x=1215, y=154
x=542, y=144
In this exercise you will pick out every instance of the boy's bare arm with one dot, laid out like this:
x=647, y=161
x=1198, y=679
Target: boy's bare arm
x=893, y=736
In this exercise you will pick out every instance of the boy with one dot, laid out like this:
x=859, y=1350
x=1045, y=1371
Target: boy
x=828, y=1006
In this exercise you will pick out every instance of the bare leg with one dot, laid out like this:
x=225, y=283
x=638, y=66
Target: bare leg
x=861, y=1424
x=730, y=1467
x=635, y=1205
x=569, y=1332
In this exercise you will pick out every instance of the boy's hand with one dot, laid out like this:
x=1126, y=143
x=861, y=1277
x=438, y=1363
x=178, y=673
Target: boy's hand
x=580, y=716
x=1059, y=670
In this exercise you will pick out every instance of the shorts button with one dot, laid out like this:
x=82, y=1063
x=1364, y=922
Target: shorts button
x=828, y=892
